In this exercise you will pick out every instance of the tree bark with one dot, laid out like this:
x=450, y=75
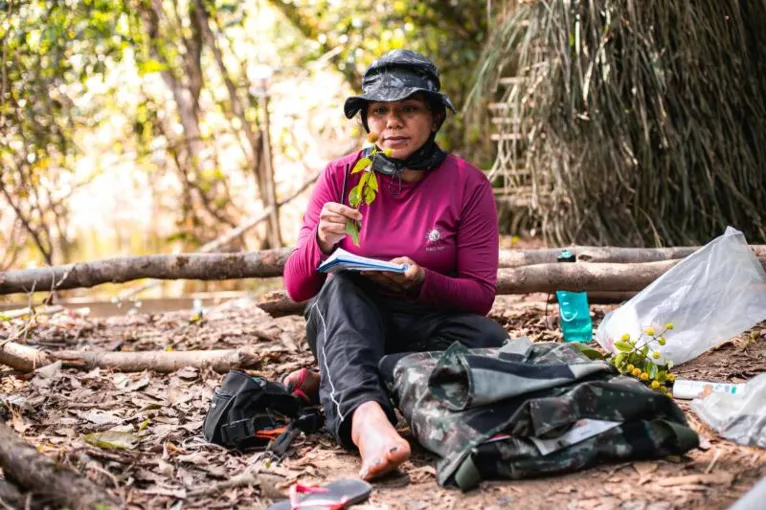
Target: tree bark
x=29, y=469
x=27, y=359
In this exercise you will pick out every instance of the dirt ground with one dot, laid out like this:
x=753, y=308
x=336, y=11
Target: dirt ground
x=171, y=466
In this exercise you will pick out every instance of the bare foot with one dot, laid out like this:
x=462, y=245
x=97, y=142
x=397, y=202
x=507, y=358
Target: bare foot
x=381, y=446
x=307, y=381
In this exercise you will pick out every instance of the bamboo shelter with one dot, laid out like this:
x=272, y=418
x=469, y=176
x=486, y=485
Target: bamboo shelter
x=631, y=123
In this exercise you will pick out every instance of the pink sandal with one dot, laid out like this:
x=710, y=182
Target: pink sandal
x=333, y=496
x=297, y=388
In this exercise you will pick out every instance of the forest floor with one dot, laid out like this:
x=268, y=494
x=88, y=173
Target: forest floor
x=171, y=466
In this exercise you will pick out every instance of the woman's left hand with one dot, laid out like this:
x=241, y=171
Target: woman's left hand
x=408, y=281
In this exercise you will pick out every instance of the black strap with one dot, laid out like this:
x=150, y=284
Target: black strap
x=234, y=433
x=281, y=444
x=343, y=190
x=309, y=422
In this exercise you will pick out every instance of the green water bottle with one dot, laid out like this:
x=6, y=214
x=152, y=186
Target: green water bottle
x=574, y=311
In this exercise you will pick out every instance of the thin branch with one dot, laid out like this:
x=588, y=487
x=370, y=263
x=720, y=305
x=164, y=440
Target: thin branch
x=25, y=222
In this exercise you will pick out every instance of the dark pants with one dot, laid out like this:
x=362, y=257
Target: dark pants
x=350, y=327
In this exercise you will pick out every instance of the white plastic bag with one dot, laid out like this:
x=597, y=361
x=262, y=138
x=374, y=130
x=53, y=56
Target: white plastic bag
x=740, y=417
x=712, y=295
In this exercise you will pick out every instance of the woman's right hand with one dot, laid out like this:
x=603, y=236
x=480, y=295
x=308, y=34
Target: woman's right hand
x=332, y=224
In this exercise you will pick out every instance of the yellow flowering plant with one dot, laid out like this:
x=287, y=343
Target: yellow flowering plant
x=367, y=188
x=637, y=358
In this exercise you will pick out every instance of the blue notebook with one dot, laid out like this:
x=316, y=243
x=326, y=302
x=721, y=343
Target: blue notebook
x=341, y=260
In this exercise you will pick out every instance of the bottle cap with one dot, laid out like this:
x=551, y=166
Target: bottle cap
x=566, y=256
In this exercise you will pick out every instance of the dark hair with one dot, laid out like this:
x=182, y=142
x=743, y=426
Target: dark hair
x=433, y=104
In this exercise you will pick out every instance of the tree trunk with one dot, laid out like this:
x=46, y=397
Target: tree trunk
x=268, y=173
x=255, y=140
x=29, y=469
x=27, y=359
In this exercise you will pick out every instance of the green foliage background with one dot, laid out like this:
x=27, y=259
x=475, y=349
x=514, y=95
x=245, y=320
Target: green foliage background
x=189, y=65
x=646, y=122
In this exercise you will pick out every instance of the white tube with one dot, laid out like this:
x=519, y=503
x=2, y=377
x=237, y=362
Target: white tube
x=687, y=389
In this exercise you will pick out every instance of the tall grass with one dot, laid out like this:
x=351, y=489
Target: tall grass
x=643, y=120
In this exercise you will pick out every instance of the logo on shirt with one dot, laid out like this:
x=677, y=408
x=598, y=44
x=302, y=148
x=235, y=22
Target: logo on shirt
x=433, y=240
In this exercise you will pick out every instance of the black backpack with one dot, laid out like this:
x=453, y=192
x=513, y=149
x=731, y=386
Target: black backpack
x=251, y=412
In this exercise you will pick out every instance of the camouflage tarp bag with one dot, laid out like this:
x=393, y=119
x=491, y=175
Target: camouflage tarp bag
x=527, y=410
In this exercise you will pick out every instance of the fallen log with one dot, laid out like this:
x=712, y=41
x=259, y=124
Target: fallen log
x=11, y=497
x=580, y=277
x=26, y=359
x=191, y=266
x=278, y=304
x=29, y=469
x=607, y=283
x=22, y=357
x=600, y=254
x=270, y=263
x=220, y=360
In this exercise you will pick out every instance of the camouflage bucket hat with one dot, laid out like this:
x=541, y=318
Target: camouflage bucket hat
x=394, y=76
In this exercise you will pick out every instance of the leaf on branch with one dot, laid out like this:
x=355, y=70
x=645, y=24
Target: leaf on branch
x=352, y=229
x=372, y=182
x=594, y=354
x=361, y=165
x=354, y=197
x=112, y=440
x=623, y=346
x=369, y=195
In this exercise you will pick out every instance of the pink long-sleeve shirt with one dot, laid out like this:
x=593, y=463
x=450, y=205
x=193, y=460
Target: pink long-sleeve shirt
x=446, y=222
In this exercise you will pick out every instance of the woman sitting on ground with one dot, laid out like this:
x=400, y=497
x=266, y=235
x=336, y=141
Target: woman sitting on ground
x=433, y=211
